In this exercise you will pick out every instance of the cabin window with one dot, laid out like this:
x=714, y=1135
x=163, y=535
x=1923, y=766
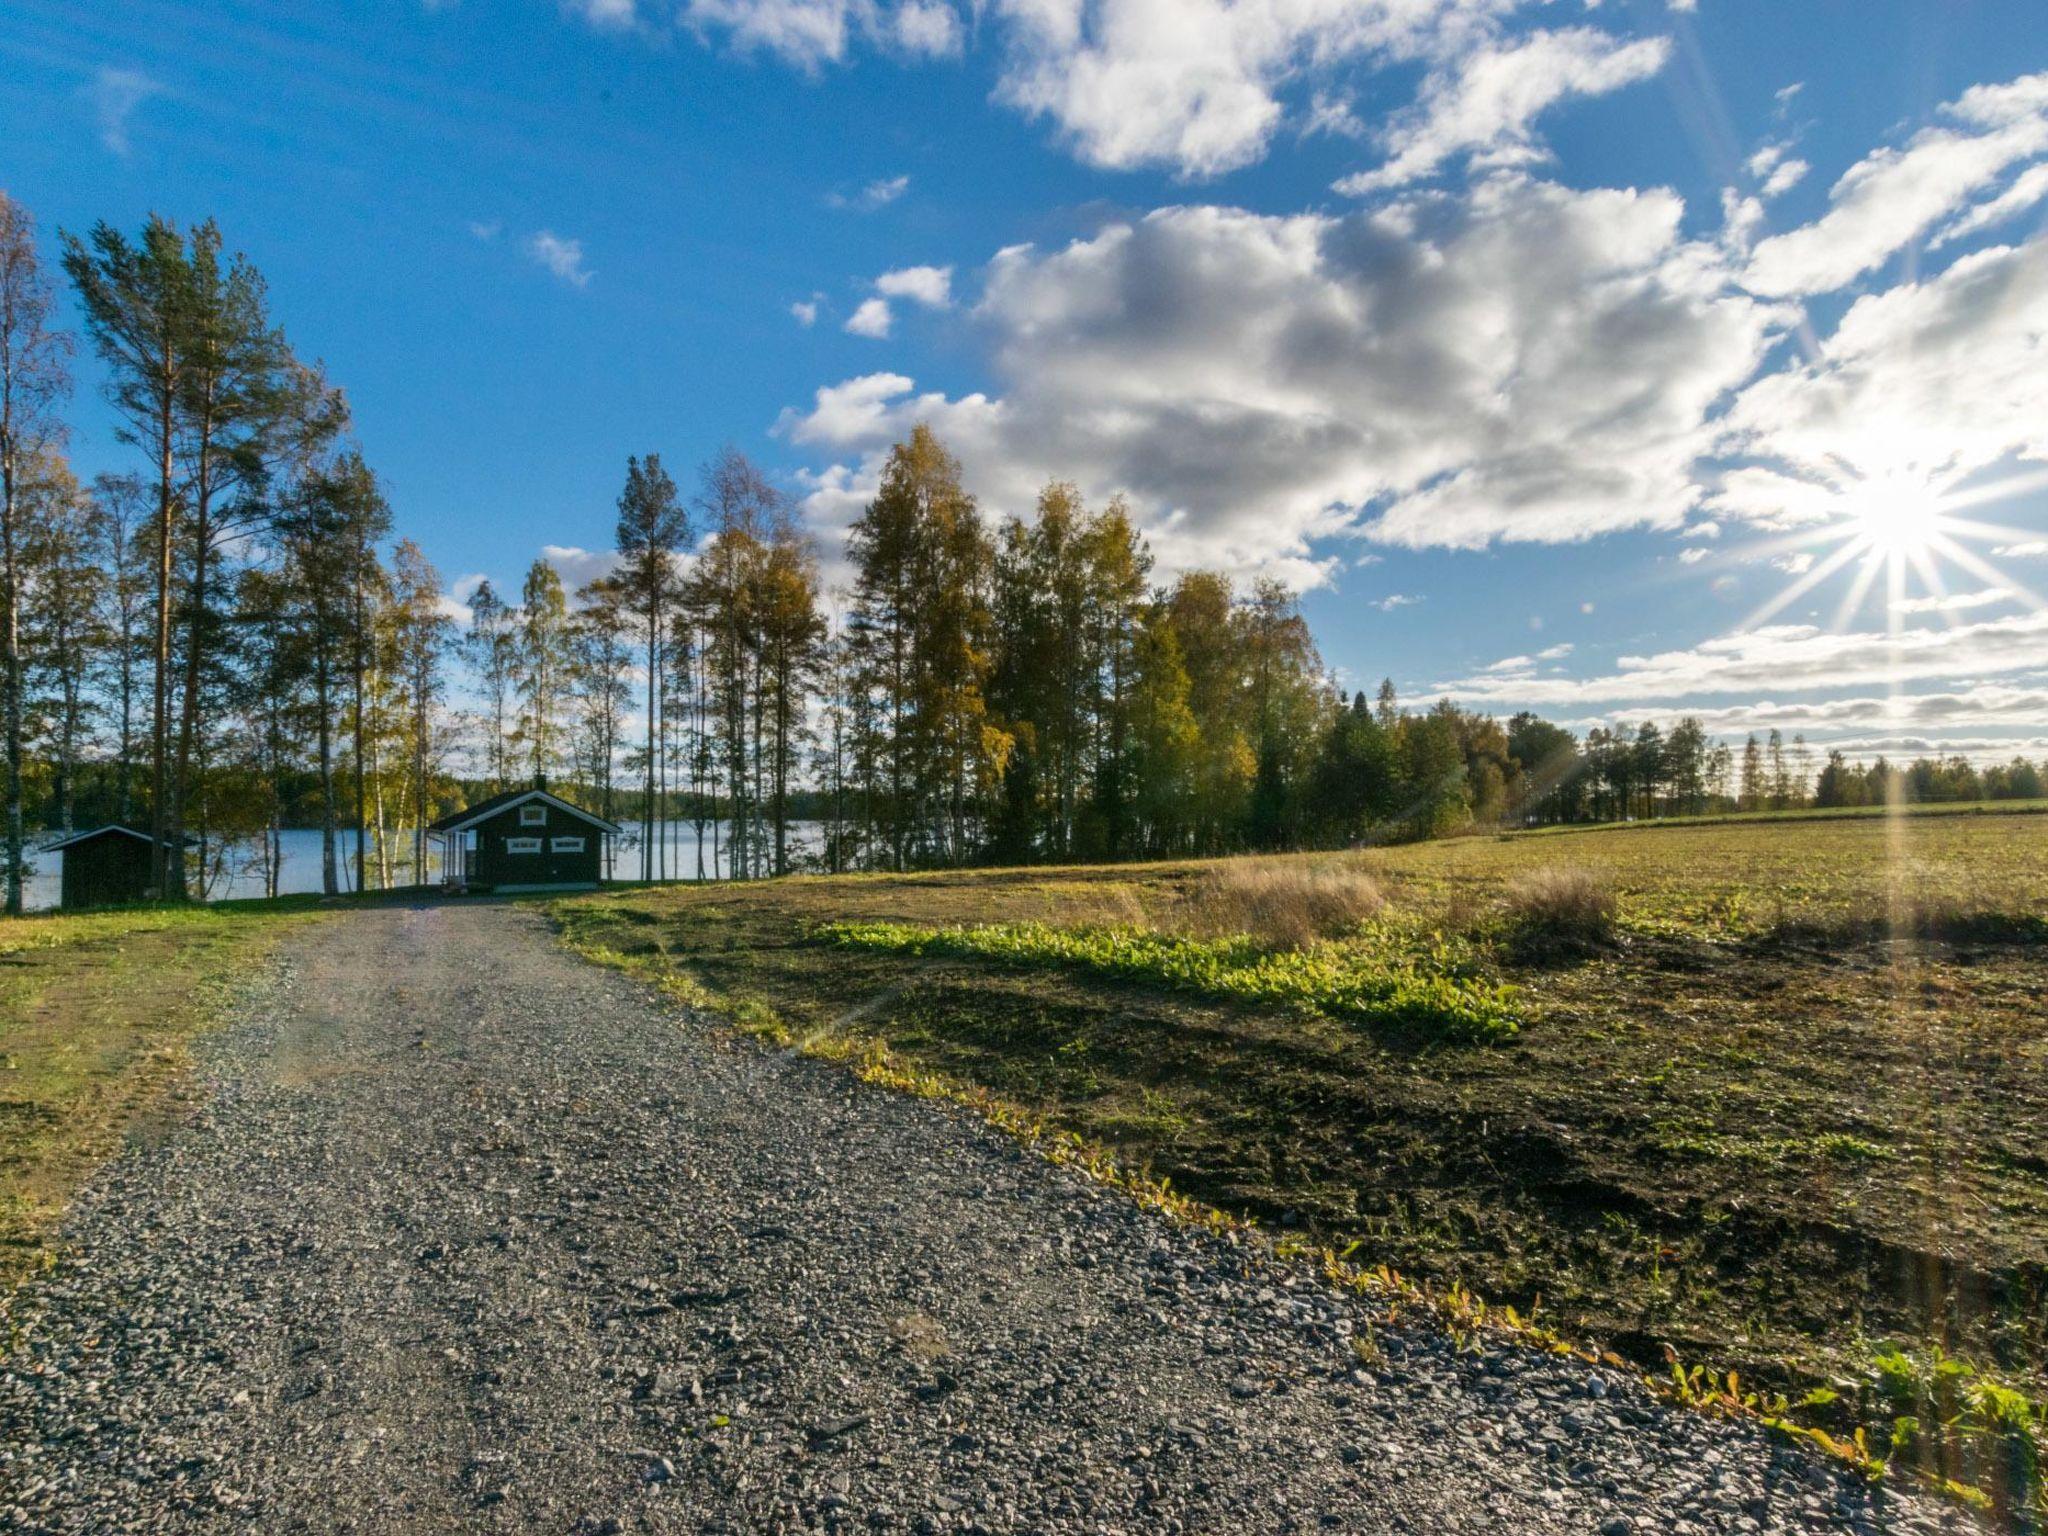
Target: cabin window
x=565, y=845
x=522, y=845
x=533, y=816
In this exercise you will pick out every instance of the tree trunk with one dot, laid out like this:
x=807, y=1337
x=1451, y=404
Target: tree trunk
x=10, y=681
x=330, y=882
x=170, y=859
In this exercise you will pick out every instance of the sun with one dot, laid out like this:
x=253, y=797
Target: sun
x=1896, y=519
x=1889, y=532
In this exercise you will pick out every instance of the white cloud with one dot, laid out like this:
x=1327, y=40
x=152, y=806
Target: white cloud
x=872, y=319
x=1890, y=197
x=813, y=33
x=1952, y=602
x=1395, y=600
x=113, y=95
x=2027, y=189
x=1485, y=103
x=2025, y=550
x=929, y=29
x=563, y=257
x=1521, y=362
x=1195, y=85
x=1790, y=658
x=805, y=311
x=1693, y=556
x=876, y=194
x=1332, y=115
x=485, y=230
x=1926, y=380
x=575, y=566
x=1776, y=168
x=611, y=14
x=929, y=286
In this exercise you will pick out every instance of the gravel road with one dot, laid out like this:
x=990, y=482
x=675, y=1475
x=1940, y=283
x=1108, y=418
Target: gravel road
x=471, y=1236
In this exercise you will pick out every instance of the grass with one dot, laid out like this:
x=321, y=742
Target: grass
x=96, y=1012
x=1354, y=982
x=1787, y=1106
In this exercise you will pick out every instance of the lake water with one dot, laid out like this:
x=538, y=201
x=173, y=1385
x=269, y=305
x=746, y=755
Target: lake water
x=300, y=872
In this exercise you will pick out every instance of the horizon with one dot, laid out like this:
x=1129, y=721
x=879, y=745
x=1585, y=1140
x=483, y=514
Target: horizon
x=1632, y=362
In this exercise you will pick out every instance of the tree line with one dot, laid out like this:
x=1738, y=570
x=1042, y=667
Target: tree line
x=226, y=642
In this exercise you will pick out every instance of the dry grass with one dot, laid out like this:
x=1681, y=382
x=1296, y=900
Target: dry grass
x=1559, y=911
x=1288, y=902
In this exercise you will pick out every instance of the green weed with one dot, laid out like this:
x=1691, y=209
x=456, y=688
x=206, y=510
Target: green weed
x=1333, y=980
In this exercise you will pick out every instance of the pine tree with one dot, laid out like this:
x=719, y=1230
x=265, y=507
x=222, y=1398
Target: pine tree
x=653, y=528
x=1754, y=789
x=34, y=379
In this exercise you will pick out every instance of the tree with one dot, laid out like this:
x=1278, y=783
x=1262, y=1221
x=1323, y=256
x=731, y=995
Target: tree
x=244, y=402
x=653, y=528
x=1355, y=775
x=135, y=298
x=34, y=378
x=60, y=612
x=490, y=647
x=1287, y=704
x=1754, y=788
x=541, y=665
x=1547, y=757
x=119, y=519
x=792, y=634
x=1685, y=766
x=598, y=663
x=312, y=604
x=424, y=634
x=359, y=517
x=919, y=628
x=1202, y=612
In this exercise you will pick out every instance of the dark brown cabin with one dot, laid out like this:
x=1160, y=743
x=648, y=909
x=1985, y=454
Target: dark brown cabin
x=107, y=867
x=523, y=840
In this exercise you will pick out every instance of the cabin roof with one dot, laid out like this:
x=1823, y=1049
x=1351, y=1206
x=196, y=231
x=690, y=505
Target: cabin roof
x=107, y=831
x=483, y=810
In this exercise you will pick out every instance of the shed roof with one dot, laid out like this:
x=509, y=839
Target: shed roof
x=107, y=831
x=455, y=821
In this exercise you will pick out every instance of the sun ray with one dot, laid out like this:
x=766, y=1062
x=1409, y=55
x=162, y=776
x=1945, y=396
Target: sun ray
x=1820, y=572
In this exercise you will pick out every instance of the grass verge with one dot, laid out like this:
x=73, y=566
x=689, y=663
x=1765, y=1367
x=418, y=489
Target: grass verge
x=96, y=1012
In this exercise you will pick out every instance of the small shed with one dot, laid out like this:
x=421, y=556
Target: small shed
x=108, y=866
x=523, y=840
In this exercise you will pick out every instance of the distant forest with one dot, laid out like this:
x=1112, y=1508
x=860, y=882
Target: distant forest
x=227, y=642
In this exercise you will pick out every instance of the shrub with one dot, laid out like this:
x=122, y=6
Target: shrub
x=1558, y=913
x=1289, y=903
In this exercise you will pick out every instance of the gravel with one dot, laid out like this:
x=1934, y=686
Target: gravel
x=469, y=1235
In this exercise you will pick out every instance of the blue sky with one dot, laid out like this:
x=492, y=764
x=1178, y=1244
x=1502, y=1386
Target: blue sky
x=1547, y=347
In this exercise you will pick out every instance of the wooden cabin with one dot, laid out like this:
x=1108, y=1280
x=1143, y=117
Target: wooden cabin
x=523, y=840
x=107, y=867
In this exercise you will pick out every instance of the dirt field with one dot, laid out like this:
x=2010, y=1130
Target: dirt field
x=1784, y=1115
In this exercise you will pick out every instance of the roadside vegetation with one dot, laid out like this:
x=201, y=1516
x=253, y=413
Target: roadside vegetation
x=1766, y=1100
x=96, y=1013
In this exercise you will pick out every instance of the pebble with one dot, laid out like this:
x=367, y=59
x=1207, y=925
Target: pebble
x=467, y=1233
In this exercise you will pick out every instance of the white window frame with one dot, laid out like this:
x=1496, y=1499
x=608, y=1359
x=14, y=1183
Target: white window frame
x=522, y=845
x=533, y=815
x=565, y=845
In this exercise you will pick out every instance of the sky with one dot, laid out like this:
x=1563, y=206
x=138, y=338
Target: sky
x=1611, y=360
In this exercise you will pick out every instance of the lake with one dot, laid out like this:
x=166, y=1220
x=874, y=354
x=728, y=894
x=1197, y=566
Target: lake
x=300, y=873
